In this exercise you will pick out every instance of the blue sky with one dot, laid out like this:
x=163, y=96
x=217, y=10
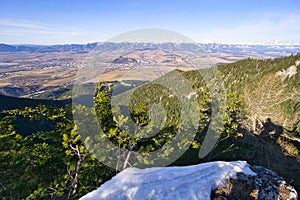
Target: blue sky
x=83, y=21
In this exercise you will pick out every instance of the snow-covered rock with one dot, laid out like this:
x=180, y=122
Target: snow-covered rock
x=169, y=183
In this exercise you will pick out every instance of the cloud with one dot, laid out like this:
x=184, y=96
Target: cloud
x=23, y=27
x=268, y=26
x=25, y=24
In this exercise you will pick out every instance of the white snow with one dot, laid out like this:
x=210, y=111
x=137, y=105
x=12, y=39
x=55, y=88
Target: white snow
x=169, y=183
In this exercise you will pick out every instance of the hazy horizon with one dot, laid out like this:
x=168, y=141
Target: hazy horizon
x=268, y=42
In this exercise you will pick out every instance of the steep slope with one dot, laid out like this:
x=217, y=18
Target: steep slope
x=270, y=90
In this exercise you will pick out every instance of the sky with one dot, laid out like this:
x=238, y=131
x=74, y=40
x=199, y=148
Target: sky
x=86, y=21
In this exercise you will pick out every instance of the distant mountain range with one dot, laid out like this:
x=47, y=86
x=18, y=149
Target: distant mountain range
x=47, y=48
x=272, y=48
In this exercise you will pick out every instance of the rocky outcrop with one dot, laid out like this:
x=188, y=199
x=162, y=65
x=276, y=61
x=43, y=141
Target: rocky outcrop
x=266, y=185
x=289, y=72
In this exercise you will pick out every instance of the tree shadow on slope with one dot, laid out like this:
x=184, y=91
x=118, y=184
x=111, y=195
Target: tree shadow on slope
x=270, y=149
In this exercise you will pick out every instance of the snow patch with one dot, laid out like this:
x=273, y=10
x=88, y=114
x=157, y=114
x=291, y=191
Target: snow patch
x=169, y=183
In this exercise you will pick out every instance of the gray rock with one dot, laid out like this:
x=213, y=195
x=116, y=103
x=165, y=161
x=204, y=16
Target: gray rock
x=266, y=185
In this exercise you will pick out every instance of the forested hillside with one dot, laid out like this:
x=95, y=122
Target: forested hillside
x=42, y=155
x=269, y=88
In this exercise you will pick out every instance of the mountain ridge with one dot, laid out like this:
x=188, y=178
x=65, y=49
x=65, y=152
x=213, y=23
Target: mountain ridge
x=264, y=47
